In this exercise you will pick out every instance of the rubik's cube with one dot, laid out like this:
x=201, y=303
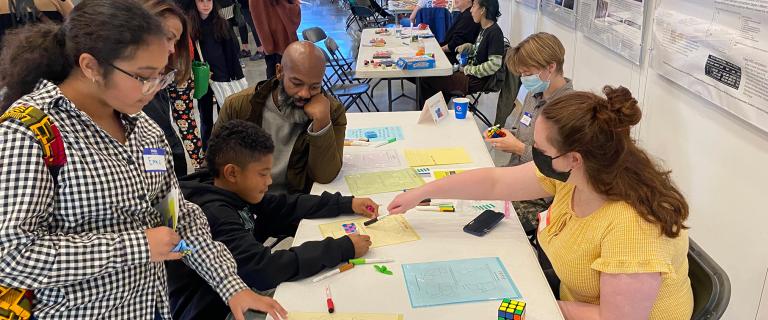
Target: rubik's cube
x=512, y=309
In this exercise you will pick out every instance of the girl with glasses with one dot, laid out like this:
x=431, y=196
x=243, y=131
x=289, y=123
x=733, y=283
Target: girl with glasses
x=84, y=174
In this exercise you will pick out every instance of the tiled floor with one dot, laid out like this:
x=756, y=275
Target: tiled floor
x=331, y=18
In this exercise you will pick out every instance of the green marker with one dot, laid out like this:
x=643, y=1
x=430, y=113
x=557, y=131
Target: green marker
x=359, y=261
x=381, y=143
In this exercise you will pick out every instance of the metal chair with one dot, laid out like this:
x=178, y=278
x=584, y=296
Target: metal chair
x=343, y=88
x=710, y=284
x=314, y=34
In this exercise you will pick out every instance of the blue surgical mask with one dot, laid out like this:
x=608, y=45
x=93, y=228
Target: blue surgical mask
x=534, y=84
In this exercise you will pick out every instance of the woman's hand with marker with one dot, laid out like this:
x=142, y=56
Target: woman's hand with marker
x=406, y=201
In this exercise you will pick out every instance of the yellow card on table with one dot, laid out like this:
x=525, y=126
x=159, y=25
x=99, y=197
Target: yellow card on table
x=342, y=316
x=436, y=156
x=391, y=230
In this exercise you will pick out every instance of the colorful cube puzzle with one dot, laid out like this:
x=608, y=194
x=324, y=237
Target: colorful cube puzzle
x=349, y=228
x=512, y=310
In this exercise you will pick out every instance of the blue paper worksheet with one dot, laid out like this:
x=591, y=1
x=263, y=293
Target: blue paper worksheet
x=380, y=133
x=457, y=281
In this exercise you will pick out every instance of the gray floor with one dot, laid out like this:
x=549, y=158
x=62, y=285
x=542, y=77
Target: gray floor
x=331, y=18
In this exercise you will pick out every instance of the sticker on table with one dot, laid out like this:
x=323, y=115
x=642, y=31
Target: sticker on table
x=349, y=228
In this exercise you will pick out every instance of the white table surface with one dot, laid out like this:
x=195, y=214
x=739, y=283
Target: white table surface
x=395, y=44
x=362, y=289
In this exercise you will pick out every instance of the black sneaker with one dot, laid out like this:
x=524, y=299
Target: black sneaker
x=245, y=53
x=256, y=56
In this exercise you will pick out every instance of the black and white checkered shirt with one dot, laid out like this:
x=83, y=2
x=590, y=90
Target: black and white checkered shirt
x=80, y=243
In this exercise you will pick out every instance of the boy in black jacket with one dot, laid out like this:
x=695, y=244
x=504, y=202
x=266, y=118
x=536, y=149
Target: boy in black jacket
x=242, y=216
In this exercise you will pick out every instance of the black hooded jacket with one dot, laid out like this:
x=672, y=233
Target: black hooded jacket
x=243, y=228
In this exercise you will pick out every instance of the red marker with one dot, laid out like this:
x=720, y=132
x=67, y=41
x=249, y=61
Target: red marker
x=329, y=299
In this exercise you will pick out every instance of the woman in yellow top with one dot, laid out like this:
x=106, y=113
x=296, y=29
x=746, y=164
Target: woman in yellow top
x=615, y=232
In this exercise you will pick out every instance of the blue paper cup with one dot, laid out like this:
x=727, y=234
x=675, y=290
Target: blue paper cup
x=460, y=106
x=463, y=58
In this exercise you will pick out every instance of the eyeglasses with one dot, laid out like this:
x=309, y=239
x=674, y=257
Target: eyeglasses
x=149, y=85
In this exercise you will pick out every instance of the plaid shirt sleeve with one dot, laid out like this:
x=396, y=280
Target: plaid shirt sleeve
x=31, y=256
x=211, y=260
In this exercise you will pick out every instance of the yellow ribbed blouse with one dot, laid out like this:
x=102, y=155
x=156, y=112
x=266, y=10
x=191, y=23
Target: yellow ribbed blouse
x=613, y=239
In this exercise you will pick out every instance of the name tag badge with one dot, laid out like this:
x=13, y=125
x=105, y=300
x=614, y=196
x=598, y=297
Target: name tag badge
x=526, y=119
x=543, y=220
x=154, y=160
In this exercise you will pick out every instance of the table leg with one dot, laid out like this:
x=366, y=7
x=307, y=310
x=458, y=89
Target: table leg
x=418, y=93
x=389, y=93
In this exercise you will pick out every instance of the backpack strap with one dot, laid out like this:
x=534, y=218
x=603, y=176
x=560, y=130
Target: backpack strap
x=46, y=133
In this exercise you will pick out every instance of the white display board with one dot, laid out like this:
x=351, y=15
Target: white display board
x=616, y=24
x=530, y=3
x=563, y=11
x=718, y=49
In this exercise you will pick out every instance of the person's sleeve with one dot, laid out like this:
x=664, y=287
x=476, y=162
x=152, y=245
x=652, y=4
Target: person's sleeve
x=326, y=151
x=279, y=215
x=550, y=185
x=210, y=259
x=262, y=269
x=633, y=245
x=30, y=255
x=484, y=69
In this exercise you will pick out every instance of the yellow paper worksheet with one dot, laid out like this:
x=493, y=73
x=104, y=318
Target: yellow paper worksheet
x=436, y=156
x=342, y=316
x=383, y=181
x=393, y=229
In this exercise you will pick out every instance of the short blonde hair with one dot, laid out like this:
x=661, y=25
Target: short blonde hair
x=539, y=50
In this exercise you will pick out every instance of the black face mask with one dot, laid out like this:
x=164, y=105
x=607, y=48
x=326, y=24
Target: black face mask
x=544, y=164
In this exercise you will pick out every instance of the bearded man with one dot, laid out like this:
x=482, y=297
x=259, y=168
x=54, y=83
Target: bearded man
x=306, y=124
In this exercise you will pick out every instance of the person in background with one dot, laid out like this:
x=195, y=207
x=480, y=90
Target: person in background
x=213, y=36
x=538, y=59
x=485, y=56
x=426, y=4
x=306, y=124
x=463, y=30
x=276, y=24
x=80, y=225
x=16, y=13
x=179, y=64
x=615, y=232
x=232, y=193
x=245, y=9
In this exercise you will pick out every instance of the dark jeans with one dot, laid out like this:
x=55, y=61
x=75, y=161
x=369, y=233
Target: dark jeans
x=205, y=106
x=457, y=82
x=245, y=9
x=272, y=61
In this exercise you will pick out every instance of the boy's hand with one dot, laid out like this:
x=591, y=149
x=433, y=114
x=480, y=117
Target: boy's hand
x=248, y=300
x=161, y=241
x=365, y=207
x=361, y=242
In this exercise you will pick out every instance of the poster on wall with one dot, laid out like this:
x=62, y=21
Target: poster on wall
x=718, y=49
x=616, y=24
x=530, y=3
x=563, y=11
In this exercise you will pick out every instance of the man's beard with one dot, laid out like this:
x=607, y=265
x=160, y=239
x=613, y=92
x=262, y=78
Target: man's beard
x=284, y=100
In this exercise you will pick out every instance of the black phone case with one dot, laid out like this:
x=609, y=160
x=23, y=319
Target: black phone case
x=483, y=223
